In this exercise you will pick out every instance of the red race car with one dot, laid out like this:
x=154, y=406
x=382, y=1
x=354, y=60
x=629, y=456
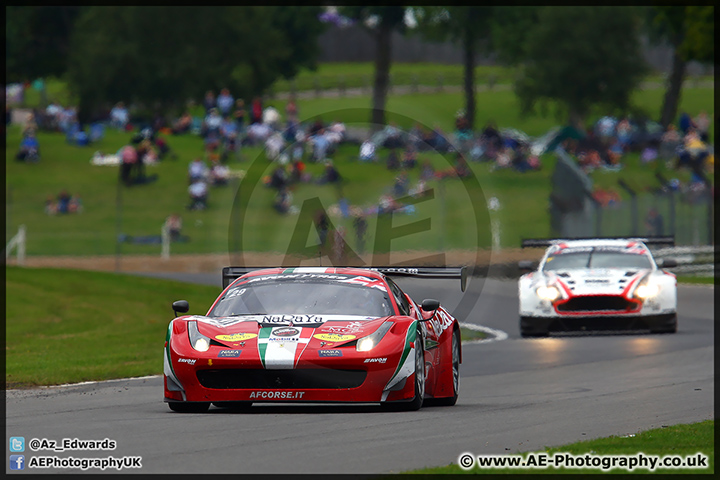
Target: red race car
x=314, y=334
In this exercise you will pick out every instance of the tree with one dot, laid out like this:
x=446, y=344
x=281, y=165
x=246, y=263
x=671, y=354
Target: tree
x=690, y=30
x=37, y=40
x=581, y=57
x=381, y=22
x=161, y=56
x=468, y=26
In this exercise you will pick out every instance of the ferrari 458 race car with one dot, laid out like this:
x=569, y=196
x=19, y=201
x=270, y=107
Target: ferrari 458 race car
x=597, y=284
x=314, y=334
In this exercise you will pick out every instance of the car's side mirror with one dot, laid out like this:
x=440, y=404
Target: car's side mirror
x=180, y=306
x=526, y=265
x=429, y=307
x=667, y=263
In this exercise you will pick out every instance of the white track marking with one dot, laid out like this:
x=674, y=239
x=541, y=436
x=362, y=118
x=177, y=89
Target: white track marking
x=497, y=335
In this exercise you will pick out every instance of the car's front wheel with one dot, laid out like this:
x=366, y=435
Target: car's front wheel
x=528, y=330
x=189, y=407
x=417, y=400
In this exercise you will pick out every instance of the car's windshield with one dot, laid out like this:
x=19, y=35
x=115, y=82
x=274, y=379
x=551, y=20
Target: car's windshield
x=303, y=297
x=596, y=259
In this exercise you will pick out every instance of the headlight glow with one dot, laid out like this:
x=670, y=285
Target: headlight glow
x=366, y=344
x=548, y=293
x=199, y=342
x=647, y=291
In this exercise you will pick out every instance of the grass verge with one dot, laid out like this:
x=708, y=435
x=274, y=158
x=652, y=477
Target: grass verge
x=684, y=440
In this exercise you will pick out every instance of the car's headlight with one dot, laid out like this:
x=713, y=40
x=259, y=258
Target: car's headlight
x=368, y=343
x=646, y=290
x=199, y=342
x=548, y=293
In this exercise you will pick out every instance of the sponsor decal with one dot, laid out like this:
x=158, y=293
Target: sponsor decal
x=366, y=282
x=229, y=353
x=352, y=327
x=330, y=353
x=283, y=339
x=209, y=361
x=292, y=319
x=236, y=337
x=285, y=332
x=334, y=337
x=441, y=321
x=375, y=360
x=190, y=361
x=275, y=394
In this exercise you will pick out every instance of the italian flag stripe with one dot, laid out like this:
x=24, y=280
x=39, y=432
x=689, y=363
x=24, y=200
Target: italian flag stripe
x=263, y=335
x=411, y=334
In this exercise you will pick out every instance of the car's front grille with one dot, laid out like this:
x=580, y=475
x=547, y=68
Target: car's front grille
x=235, y=378
x=597, y=303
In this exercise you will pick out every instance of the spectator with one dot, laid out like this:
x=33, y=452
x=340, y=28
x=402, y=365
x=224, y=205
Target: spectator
x=360, y=225
x=283, y=200
x=393, y=138
x=685, y=122
x=197, y=170
x=654, y=223
x=257, y=133
x=182, y=124
x=316, y=126
x=274, y=145
x=212, y=123
x=291, y=110
x=198, y=191
x=256, y=110
x=393, y=161
x=320, y=144
x=400, y=187
x=209, y=102
x=225, y=102
x=63, y=202
x=367, y=151
x=336, y=132
x=409, y=160
x=173, y=224
x=297, y=171
x=427, y=171
x=128, y=156
x=322, y=225
x=239, y=114
x=279, y=178
x=219, y=174
x=702, y=123
x=29, y=150
x=330, y=175
x=271, y=117
x=75, y=205
x=669, y=143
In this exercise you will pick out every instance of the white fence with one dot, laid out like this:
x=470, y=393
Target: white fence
x=17, y=243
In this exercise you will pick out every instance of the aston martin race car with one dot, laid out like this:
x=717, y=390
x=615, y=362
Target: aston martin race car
x=314, y=334
x=597, y=284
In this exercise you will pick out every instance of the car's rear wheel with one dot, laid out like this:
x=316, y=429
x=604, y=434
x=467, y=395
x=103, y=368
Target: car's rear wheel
x=189, y=407
x=450, y=401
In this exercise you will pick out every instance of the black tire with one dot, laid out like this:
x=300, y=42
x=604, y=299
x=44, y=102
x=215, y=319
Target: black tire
x=450, y=401
x=417, y=400
x=669, y=329
x=530, y=333
x=189, y=407
x=234, y=406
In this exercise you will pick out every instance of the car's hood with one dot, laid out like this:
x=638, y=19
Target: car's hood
x=318, y=330
x=602, y=281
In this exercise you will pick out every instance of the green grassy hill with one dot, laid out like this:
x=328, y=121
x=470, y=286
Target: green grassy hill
x=141, y=210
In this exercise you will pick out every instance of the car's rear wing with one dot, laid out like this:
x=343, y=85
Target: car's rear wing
x=231, y=273
x=546, y=242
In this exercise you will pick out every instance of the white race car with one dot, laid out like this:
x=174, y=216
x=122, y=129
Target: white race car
x=597, y=284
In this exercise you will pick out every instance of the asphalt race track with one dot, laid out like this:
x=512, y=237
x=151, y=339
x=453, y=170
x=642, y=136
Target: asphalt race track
x=515, y=395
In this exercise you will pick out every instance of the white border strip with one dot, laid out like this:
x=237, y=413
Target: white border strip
x=496, y=335
x=98, y=381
